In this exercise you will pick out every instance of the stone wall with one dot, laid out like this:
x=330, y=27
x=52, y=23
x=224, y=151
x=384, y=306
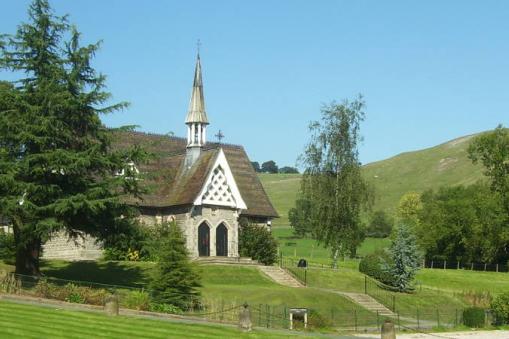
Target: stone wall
x=63, y=248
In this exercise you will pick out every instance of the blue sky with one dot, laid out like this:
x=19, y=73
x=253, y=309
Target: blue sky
x=430, y=71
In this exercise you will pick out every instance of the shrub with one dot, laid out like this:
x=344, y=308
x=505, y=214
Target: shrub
x=257, y=243
x=373, y=266
x=316, y=320
x=137, y=300
x=74, y=294
x=500, y=309
x=127, y=243
x=473, y=317
x=165, y=308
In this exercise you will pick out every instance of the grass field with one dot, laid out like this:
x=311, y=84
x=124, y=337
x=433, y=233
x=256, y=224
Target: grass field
x=223, y=286
x=307, y=248
x=445, y=164
x=28, y=321
x=282, y=190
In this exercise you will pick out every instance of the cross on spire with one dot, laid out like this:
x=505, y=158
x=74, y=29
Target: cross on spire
x=219, y=136
x=198, y=45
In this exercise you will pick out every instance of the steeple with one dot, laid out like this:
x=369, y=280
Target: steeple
x=196, y=112
x=196, y=119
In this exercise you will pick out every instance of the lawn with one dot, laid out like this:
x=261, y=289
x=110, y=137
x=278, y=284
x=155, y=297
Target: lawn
x=307, y=248
x=224, y=286
x=460, y=281
x=28, y=321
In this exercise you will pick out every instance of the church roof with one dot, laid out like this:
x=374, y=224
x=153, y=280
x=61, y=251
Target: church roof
x=196, y=112
x=170, y=185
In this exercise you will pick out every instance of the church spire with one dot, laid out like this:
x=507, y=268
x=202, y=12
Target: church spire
x=196, y=119
x=196, y=112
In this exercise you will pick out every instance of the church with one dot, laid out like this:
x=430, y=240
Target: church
x=204, y=186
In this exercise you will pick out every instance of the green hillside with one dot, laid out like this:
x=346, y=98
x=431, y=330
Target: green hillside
x=445, y=164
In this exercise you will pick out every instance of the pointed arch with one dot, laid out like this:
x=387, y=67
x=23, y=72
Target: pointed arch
x=204, y=239
x=222, y=240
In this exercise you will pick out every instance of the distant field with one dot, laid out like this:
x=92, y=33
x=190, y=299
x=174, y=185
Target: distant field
x=282, y=190
x=445, y=164
x=27, y=321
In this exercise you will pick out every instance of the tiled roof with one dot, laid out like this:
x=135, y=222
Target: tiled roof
x=169, y=184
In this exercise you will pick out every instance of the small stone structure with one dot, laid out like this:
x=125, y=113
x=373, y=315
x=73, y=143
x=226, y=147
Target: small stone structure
x=388, y=330
x=245, y=318
x=111, y=305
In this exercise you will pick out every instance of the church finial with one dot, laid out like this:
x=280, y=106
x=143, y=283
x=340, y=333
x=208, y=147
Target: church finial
x=198, y=45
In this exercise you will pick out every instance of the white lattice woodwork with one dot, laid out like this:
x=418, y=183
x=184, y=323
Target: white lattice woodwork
x=218, y=191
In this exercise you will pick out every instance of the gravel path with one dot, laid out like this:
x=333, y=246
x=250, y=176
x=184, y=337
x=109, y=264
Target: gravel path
x=448, y=335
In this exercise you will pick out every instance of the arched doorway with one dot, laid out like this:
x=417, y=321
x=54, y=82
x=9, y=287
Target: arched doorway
x=221, y=241
x=203, y=240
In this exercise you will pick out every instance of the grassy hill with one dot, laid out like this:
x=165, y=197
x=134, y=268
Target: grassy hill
x=445, y=164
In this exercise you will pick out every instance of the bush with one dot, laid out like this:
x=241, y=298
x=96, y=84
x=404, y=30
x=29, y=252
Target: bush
x=70, y=292
x=380, y=225
x=257, y=243
x=165, y=308
x=316, y=320
x=7, y=246
x=373, y=266
x=473, y=317
x=129, y=242
x=500, y=309
x=137, y=300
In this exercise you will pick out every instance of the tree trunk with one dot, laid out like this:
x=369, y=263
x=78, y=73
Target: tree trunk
x=27, y=252
x=335, y=259
x=27, y=258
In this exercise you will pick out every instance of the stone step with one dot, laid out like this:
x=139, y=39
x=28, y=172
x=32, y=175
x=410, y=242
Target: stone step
x=226, y=260
x=280, y=276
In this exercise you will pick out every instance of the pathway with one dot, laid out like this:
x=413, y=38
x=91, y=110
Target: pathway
x=280, y=276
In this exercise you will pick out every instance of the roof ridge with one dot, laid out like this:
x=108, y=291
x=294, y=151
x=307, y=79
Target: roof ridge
x=173, y=137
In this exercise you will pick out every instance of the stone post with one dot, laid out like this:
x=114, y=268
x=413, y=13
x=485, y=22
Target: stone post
x=111, y=305
x=388, y=330
x=245, y=318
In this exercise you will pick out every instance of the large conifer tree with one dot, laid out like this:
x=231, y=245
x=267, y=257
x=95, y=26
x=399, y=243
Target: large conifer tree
x=57, y=169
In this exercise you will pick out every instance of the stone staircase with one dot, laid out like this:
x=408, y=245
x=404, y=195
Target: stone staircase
x=368, y=303
x=226, y=261
x=280, y=276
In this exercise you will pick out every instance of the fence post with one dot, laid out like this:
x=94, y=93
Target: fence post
x=365, y=285
x=377, y=320
x=423, y=263
x=431, y=263
x=485, y=267
x=438, y=318
x=399, y=324
x=305, y=277
x=456, y=317
x=497, y=267
x=418, y=322
x=393, y=303
x=267, y=311
x=472, y=266
x=458, y=265
x=260, y=315
x=355, y=318
x=445, y=264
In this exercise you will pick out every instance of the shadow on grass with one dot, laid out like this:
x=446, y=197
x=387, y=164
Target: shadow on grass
x=110, y=272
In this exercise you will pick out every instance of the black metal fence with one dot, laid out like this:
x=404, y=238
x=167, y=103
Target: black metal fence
x=464, y=265
x=291, y=266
